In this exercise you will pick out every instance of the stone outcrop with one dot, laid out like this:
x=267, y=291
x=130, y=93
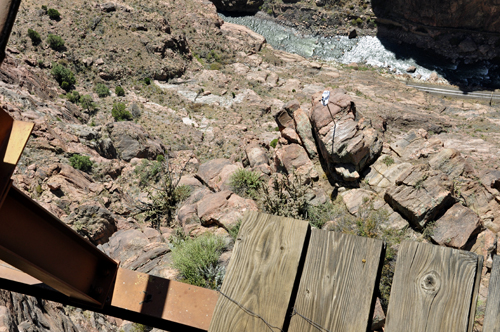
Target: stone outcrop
x=242, y=38
x=346, y=144
x=93, y=222
x=131, y=141
x=456, y=227
x=420, y=195
x=295, y=160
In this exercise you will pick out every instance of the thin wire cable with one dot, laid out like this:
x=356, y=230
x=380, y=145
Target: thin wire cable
x=271, y=327
x=334, y=126
x=248, y=311
x=316, y=325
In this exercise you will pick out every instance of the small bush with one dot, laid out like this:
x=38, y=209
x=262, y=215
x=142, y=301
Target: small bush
x=147, y=81
x=234, y=230
x=119, y=91
x=286, y=198
x=73, y=97
x=83, y=163
x=168, y=195
x=34, y=36
x=87, y=102
x=55, y=42
x=53, y=14
x=388, y=160
x=196, y=260
x=63, y=76
x=101, y=90
x=44, y=7
x=215, y=66
x=319, y=215
x=274, y=142
x=120, y=113
x=245, y=183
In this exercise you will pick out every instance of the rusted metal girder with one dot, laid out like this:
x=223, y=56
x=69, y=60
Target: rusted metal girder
x=52, y=261
x=36, y=242
x=138, y=297
x=8, y=12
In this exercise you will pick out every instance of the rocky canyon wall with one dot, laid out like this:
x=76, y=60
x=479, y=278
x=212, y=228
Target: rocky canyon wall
x=457, y=29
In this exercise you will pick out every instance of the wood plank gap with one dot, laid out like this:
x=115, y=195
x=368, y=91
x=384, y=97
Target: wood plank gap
x=492, y=312
x=473, y=305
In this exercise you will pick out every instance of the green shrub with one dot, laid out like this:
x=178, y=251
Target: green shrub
x=388, y=160
x=44, y=7
x=286, y=197
x=83, y=163
x=274, y=142
x=73, y=97
x=147, y=81
x=34, y=36
x=87, y=102
x=55, y=42
x=101, y=90
x=215, y=66
x=120, y=113
x=245, y=183
x=167, y=196
x=234, y=230
x=119, y=91
x=319, y=215
x=53, y=14
x=196, y=260
x=63, y=76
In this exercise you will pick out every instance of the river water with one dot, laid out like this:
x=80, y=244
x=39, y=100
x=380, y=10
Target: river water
x=369, y=50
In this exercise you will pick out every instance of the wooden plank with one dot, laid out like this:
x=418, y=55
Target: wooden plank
x=432, y=289
x=492, y=312
x=261, y=274
x=338, y=283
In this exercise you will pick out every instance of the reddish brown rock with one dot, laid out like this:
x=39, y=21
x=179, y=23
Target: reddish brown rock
x=294, y=159
x=132, y=141
x=209, y=172
x=346, y=145
x=304, y=130
x=420, y=195
x=456, y=227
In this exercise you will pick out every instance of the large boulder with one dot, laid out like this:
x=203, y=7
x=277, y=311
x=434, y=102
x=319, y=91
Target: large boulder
x=132, y=141
x=347, y=145
x=295, y=160
x=242, y=38
x=420, y=195
x=223, y=209
x=456, y=227
x=93, y=222
x=239, y=6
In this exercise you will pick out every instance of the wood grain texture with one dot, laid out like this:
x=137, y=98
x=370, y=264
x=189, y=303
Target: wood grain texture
x=432, y=289
x=338, y=282
x=492, y=313
x=261, y=274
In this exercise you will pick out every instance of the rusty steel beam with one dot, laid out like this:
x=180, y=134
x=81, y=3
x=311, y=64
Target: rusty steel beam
x=36, y=242
x=138, y=297
x=8, y=12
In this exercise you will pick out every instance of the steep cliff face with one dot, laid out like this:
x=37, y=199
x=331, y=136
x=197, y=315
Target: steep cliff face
x=457, y=29
x=238, y=6
x=479, y=15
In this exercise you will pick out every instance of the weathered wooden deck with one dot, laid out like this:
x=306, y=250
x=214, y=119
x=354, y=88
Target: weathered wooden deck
x=283, y=276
